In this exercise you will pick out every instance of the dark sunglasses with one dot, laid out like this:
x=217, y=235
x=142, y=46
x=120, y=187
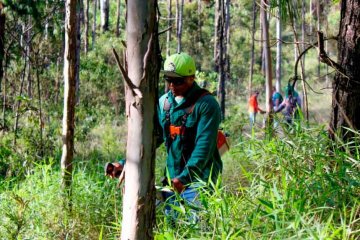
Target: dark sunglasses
x=177, y=81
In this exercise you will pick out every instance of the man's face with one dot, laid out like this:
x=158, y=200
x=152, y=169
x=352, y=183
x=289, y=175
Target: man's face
x=179, y=85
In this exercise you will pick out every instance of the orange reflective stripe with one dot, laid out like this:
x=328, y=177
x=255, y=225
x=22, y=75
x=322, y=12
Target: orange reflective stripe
x=176, y=130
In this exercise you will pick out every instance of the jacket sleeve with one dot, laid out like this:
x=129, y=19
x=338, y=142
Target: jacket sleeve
x=206, y=139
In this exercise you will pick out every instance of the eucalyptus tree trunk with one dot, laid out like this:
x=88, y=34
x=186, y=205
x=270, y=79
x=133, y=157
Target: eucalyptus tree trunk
x=218, y=31
x=118, y=13
x=41, y=125
x=78, y=46
x=86, y=27
x=143, y=66
x=104, y=13
x=168, y=33
x=311, y=17
x=28, y=76
x=278, y=49
x=18, y=103
x=346, y=87
x=2, y=44
x=303, y=30
x=220, y=51
x=68, y=127
x=57, y=79
x=226, y=57
x=267, y=51
x=199, y=28
x=227, y=39
x=94, y=25
x=252, y=58
x=318, y=29
x=179, y=21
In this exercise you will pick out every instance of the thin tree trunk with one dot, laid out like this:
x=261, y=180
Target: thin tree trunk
x=303, y=32
x=168, y=33
x=252, y=59
x=199, y=28
x=268, y=82
x=143, y=70
x=28, y=76
x=4, y=102
x=41, y=125
x=179, y=25
x=2, y=44
x=94, y=25
x=311, y=18
x=278, y=49
x=68, y=127
x=17, y=106
x=78, y=48
x=221, y=57
x=226, y=56
x=104, y=5
x=318, y=29
x=57, y=80
x=118, y=13
x=218, y=31
x=4, y=93
x=86, y=30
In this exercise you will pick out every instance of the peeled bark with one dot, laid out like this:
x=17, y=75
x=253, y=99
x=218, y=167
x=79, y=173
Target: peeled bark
x=346, y=87
x=68, y=127
x=143, y=71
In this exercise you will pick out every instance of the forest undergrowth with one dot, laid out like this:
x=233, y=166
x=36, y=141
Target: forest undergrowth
x=298, y=185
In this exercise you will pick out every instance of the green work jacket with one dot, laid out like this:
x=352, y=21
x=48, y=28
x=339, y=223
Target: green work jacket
x=203, y=161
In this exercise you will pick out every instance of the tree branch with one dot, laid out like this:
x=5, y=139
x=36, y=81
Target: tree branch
x=136, y=91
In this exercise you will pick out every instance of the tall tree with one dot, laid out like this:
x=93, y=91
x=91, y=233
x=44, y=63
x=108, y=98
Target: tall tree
x=252, y=58
x=94, y=25
x=104, y=13
x=220, y=51
x=2, y=41
x=78, y=46
x=86, y=27
x=141, y=98
x=118, y=13
x=28, y=50
x=278, y=48
x=346, y=84
x=68, y=127
x=268, y=69
x=168, y=33
x=179, y=22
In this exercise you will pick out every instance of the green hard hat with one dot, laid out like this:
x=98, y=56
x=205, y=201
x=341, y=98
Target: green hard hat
x=179, y=65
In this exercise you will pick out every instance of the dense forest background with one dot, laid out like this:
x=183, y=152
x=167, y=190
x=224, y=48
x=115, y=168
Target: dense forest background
x=300, y=184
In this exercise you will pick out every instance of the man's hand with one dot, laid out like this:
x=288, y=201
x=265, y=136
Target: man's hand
x=177, y=185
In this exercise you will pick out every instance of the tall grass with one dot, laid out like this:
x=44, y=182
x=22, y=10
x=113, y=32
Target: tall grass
x=297, y=186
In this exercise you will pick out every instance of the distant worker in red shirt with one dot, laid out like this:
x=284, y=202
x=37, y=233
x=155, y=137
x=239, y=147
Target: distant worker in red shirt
x=254, y=108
